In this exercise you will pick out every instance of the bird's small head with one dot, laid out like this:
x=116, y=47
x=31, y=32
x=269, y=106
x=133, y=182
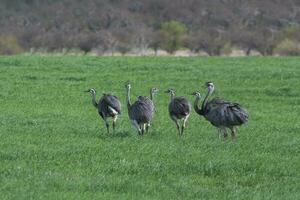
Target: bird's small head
x=128, y=86
x=154, y=90
x=92, y=91
x=170, y=91
x=196, y=94
x=209, y=85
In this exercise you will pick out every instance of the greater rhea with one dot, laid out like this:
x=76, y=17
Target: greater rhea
x=108, y=106
x=220, y=113
x=179, y=108
x=149, y=103
x=141, y=111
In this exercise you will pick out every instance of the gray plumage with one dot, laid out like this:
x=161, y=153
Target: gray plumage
x=223, y=113
x=148, y=102
x=141, y=111
x=220, y=113
x=179, y=108
x=108, y=106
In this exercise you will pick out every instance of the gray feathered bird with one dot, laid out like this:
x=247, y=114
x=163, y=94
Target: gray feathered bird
x=220, y=113
x=140, y=112
x=149, y=103
x=108, y=106
x=179, y=108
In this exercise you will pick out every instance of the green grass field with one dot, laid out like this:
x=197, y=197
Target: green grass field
x=54, y=144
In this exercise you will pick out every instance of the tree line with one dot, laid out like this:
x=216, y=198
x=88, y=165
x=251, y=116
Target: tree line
x=108, y=26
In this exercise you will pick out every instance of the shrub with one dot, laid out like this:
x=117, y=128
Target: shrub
x=288, y=48
x=292, y=33
x=226, y=49
x=123, y=47
x=211, y=42
x=156, y=40
x=172, y=32
x=9, y=45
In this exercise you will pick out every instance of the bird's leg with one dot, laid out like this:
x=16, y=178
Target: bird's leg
x=142, y=128
x=147, y=127
x=183, y=124
x=177, y=124
x=224, y=132
x=233, y=131
x=106, y=124
x=219, y=133
x=114, y=122
x=136, y=125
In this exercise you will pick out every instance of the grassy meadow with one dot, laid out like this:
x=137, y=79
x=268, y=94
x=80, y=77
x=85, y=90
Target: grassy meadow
x=55, y=146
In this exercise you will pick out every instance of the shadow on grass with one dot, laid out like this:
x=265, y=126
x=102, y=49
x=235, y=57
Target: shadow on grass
x=117, y=134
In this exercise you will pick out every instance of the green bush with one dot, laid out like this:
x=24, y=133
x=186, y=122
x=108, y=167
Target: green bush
x=226, y=49
x=172, y=34
x=292, y=33
x=288, y=48
x=9, y=45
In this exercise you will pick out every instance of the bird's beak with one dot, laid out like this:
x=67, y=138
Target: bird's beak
x=86, y=91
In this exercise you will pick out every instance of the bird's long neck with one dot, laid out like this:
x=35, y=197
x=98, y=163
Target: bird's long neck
x=172, y=95
x=196, y=107
x=94, y=100
x=209, y=92
x=151, y=95
x=128, y=98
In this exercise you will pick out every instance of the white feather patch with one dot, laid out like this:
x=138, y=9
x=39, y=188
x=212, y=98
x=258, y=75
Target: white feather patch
x=112, y=110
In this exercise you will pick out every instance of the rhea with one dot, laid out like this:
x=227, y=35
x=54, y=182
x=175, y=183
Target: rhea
x=220, y=113
x=141, y=111
x=179, y=109
x=149, y=103
x=108, y=106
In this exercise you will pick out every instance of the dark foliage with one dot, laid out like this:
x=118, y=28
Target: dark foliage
x=122, y=25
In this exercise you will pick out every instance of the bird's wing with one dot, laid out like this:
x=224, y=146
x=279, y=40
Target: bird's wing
x=215, y=103
x=218, y=100
x=141, y=112
x=181, y=106
x=113, y=102
x=225, y=113
x=143, y=98
x=146, y=101
x=240, y=113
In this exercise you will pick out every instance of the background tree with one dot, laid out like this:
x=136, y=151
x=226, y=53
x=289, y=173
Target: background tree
x=156, y=40
x=172, y=32
x=127, y=25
